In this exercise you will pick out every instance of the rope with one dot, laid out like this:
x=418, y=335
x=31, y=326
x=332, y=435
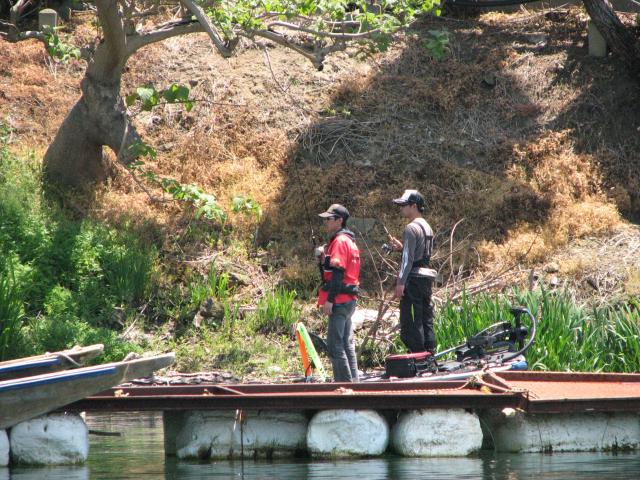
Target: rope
x=477, y=381
x=69, y=359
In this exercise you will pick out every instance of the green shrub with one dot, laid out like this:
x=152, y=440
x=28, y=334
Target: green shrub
x=67, y=276
x=59, y=332
x=128, y=270
x=235, y=348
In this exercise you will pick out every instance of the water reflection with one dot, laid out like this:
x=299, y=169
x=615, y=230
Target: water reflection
x=589, y=466
x=139, y=454
x=366, y=469
x=46, y=473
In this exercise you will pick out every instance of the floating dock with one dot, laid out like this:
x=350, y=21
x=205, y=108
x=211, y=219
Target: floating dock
x=531, y=392
x=509, y=411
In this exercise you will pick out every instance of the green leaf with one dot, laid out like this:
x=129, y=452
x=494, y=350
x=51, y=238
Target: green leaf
x=148, y=96
x=246, y=205
x=141, y=149
x=170, y=93
x=131, y=99
x=58, y=49
x=182, y=93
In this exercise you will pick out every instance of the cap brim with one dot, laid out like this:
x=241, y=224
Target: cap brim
x=400, y=201
x=327, y=215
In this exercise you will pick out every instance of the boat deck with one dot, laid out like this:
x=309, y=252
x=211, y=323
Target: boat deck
x=533, y=392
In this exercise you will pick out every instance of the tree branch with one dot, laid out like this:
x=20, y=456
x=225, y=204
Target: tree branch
x=111, y=23
x=280, y=40
x=15, y=35
x=173, y=29
x=110, y=56
x=226, y=50
x=16, y=10
x=316, y=56
x=345, y=36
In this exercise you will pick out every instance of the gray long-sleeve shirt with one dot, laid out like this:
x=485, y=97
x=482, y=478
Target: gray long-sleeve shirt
x=417, y=243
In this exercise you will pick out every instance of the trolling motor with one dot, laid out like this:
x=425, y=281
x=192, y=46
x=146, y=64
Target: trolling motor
x=496, y=345
x=498, y=338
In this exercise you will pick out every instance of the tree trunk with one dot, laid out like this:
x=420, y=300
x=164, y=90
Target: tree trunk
x=618, y=37
x=75, y=156
x=99, y=118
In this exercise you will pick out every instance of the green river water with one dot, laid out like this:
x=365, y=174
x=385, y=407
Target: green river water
x=138, y=454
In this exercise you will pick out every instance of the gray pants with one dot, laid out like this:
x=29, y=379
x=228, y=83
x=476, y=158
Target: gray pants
x=340, y=343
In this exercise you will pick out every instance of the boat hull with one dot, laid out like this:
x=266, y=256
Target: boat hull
x=49, y=362
x=25, y=398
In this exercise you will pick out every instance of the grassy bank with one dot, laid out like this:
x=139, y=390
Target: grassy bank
x=63, y=281
x=67, y=280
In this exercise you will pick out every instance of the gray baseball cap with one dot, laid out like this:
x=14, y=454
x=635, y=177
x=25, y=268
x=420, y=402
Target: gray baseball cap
x=410, y=196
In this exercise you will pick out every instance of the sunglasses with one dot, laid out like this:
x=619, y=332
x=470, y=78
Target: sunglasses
x=326, y=219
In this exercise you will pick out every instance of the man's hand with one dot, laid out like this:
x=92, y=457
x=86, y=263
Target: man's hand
x=399, y=291
x=327, y=308
x=395, y=243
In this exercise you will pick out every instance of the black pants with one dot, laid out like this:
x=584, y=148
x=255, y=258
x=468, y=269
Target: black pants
x=416, y=315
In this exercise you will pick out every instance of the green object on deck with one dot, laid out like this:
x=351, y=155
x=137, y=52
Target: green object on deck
x=311, y=351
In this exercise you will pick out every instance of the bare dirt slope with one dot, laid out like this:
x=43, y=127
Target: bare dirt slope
x=517, y=132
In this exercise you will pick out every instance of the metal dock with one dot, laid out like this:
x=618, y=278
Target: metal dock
x=532, y=392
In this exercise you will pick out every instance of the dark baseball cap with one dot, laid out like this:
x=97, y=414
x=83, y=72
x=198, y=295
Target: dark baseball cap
x=335, y=210
x=410, y=196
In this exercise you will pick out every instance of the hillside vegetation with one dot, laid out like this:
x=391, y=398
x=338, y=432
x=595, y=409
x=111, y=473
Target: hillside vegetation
x=515, y=135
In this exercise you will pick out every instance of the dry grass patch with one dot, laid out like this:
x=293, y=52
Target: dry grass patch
x=501, y=134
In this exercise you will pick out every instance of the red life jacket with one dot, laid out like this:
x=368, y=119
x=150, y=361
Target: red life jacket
x=341, y=252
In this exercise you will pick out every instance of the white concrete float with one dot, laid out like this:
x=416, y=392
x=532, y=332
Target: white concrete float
x=513, y=431
x=347, y=433
x=4, y=448
x=54, y=439
x=436, y=433
x=217, y=434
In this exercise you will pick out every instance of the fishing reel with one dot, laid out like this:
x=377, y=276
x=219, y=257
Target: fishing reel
x=386, y=248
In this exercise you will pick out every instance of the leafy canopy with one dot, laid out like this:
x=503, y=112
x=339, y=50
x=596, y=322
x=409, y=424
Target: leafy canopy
x=324, y=15
x=325, y=21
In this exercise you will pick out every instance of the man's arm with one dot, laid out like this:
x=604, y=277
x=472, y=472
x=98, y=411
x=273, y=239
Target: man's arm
x=408, y=251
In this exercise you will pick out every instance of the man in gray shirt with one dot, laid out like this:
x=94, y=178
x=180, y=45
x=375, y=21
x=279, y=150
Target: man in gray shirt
x=415, y=278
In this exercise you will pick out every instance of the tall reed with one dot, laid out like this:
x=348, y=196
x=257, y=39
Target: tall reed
x=11, y=312
x=215, y=285
x=276, y=312
x=569, y=337
x=127, y=272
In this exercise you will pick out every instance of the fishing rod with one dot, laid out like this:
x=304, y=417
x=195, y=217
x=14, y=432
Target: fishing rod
x=304, y=203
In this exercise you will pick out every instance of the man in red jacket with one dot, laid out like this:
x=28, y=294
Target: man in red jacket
x=340, y=261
